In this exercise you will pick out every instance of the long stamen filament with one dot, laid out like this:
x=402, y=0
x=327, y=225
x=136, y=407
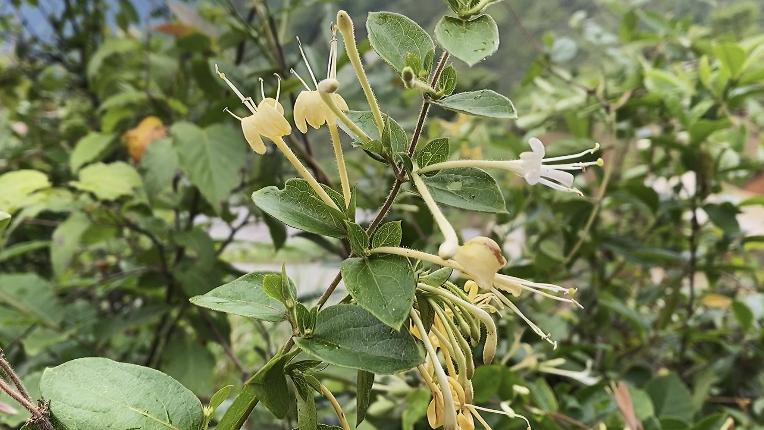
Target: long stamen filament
x=341, y=167
x=448, y=400
x=451, y=243
x=536, y=329
x=302, y=81
x=345, y=25
x=247, y=101
x=225, y=109
x=417, y=255
x=302, y=171
x=579, y=154
x=307, y=64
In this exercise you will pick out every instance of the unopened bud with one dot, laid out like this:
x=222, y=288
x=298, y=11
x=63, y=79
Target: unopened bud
x=329, y=86
x=344, y=23
x=407, y=75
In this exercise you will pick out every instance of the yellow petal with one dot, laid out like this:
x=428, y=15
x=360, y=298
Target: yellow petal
x=300, y=109
x=271, y=123
x=716, y=301
x=138, y=139
x=252, y=135
x=482, y=257
x=465, y=422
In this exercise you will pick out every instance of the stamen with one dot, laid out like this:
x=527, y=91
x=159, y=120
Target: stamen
x=573, y=166
x=580, y=154
x=232, y=114
x=331, y=69
x=474, y=412
x=262, y=89
x=555, y=186
x=305, y=84
x=278, y=86
x=307, y=64
x=536, y=329
x=236, y=91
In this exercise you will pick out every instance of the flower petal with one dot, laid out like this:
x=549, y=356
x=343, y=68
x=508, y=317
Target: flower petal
x=537, y=146
x=562, y=177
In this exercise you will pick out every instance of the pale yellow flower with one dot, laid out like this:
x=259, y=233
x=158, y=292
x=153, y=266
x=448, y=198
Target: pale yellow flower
x=267, y=118
x=309, y=109
x=483, y=258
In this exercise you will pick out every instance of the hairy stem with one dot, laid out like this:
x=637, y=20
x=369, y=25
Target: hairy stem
x=341, y=167
x=302, y=171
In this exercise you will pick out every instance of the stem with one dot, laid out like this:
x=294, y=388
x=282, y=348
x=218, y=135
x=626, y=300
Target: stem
x=341, y=167
x=345, y=25
x=8, y=370
x=445, y=389
x=302, y=171
x=329, y=102
x=457, y=164
x=451, y=242
x=336, y=406
x=475, y=9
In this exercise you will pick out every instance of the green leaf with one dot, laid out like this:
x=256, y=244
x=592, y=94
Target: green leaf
x=307, y=418
x=109, y=181
x=220, y=396
x=383, y=285
x=469, y=41
x=393, y=36
x=92, y=147
x=189, y=362
x=212, y=158
x=466, y=188
x=743, y=315
x=160, y=163
x=349, y=336
x=298, y=206
x=394, y=139
x=66, y=239
x=487, y=103
x=32, y=296
x=435, y=151
x=359, y=240
x=543, y=396
x=732, y=58
x=245, y=297
x=671, y=398
x=447, y=82
x=364, y=383
x=19, y=187
x=90, y=393
x=416, y=408
x=666, y=84
x=270, y=385
x=277, y=231
x=387, y=234
x=5, y=219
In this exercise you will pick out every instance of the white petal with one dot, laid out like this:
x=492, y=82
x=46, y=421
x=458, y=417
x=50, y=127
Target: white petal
x=537, y=146
x=562, y=177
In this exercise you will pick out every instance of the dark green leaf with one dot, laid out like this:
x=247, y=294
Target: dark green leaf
x=435, y=151
x=270, y=385
x=387, y=234
x=364, y=382
x=349, y=336
x=447, y=82
x=359, y=240
x=670, y=397
x=383, y=285
x=307, y=419
x=298, y=206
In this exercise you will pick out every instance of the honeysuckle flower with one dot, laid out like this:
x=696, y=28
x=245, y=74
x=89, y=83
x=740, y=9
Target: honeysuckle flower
x=309, y=109
x=267, y=120
x=483, y=258
x=533, y=166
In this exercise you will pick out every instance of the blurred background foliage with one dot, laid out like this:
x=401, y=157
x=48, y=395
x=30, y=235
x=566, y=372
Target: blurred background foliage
x=119, y=215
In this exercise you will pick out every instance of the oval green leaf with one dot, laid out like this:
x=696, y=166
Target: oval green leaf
x=487, y=103
x=469, y=41
x=298, y=206
x=383, y=285
x=393, y=36
x=98, y=393
x=349, y=336
x=245, y=297
x=467, y=188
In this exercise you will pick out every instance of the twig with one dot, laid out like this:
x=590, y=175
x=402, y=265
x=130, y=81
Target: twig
x=8, y=370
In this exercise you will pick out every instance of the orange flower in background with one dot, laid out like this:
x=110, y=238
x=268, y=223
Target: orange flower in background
x=138, y=139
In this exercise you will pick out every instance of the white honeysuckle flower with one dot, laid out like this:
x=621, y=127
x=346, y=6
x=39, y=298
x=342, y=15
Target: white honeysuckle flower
x=536, y=169
x=266, y=119
x=533, y=166
x=309, y=108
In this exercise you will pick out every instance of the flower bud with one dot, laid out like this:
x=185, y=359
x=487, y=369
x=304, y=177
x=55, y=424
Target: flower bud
x=481, y=257
x=344, y=23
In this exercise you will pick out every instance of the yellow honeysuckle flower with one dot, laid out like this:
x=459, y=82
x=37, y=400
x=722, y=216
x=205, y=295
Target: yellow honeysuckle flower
x=267, y=118
x=309, y=108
